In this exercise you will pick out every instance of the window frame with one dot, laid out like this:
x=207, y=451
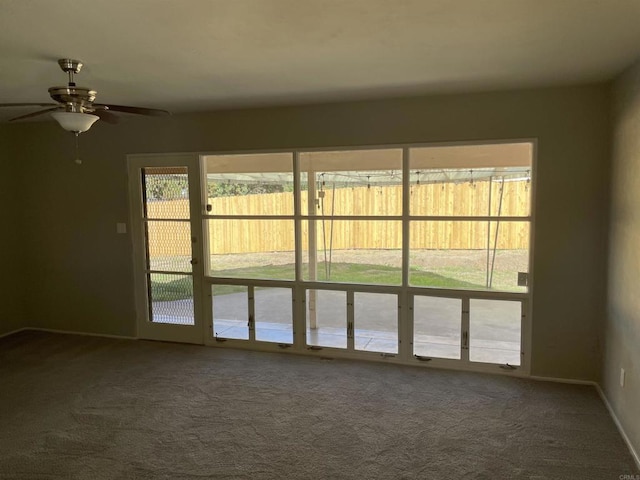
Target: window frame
x=405, y=291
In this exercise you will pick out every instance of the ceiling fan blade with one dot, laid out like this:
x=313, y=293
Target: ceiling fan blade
x=33, y=114
x=106, y=116
x=27, y=104
x=137, y=110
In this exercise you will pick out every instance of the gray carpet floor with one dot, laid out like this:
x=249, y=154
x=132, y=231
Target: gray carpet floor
x=78, y=407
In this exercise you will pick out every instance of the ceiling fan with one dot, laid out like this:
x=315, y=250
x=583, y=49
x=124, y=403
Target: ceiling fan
x=75, y=109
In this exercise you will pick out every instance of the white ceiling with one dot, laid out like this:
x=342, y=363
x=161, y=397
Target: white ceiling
x=196, y=55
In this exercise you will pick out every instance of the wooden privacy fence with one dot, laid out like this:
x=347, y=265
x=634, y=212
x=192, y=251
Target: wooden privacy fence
x=255, y=236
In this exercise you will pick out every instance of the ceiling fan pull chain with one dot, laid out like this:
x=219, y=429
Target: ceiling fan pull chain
x=77, y=160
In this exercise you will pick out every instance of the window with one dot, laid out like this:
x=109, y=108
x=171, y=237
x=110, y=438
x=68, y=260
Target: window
x=352, y=204
x=345, y=247
x=250, y=208
x=469, y=213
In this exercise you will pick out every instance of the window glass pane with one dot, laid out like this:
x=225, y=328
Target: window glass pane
x=230, y=311
x=171, y=298
x=471, y=180
x=169, y=246
x=252, y=248
x=508, y=256
x=494, y=331
x=376, y=322
x=358, y=251
x=250, y=184
x=470, y=255
x=327, y=318
x=352, y=182
x=274, y=320
x=437, y=327
x=166, y=192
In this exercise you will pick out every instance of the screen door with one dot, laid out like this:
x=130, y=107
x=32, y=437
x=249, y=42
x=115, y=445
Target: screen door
x=166, y=222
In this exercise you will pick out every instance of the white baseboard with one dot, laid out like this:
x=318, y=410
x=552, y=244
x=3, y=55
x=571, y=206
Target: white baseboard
x=86, y=334
x=13, y=332
x=635, y=455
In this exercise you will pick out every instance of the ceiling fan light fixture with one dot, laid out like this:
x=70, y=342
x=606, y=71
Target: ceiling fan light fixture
x=76, y=122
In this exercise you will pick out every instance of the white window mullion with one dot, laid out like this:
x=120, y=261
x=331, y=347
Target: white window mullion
x=251, y=321
x=464, y=352
x=350, y=320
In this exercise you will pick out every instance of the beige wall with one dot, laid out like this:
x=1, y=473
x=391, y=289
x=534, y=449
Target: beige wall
x=622, y=327
x=12, y=261
x=82, y=278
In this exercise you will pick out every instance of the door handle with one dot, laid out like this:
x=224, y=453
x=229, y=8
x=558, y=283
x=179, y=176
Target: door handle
x=194, y=261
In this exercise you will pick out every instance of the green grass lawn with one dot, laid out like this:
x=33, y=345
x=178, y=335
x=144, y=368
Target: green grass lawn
x=168, y=287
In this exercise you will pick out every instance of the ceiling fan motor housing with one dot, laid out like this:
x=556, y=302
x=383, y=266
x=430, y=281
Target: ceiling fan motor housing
x=75, y=98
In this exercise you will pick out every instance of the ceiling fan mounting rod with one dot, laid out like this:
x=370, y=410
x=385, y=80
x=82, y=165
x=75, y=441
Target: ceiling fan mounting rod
x=70, y=66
